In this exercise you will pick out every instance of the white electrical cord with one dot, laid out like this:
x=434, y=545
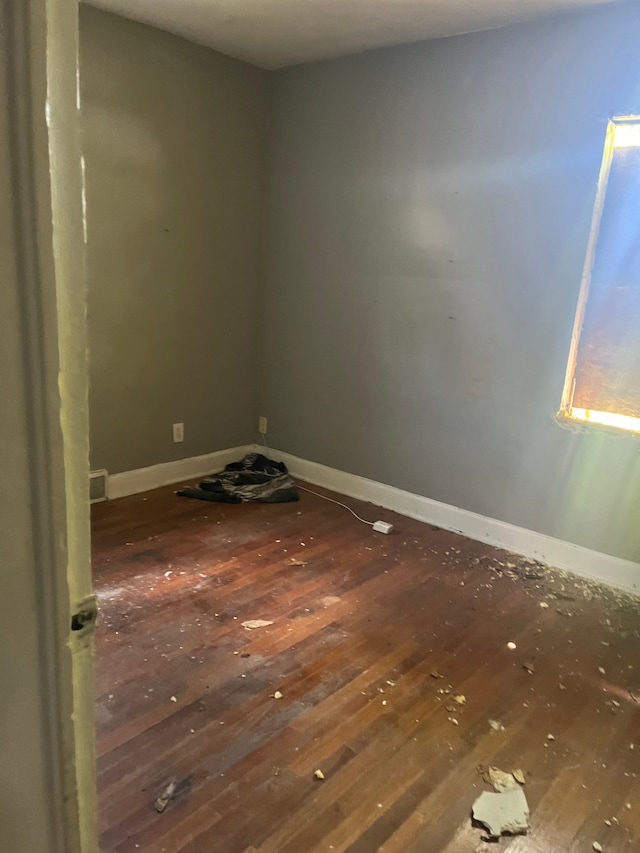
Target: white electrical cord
x=379, y=526
x=331, y=500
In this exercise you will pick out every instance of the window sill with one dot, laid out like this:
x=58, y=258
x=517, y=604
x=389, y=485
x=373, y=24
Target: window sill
x=616, y=424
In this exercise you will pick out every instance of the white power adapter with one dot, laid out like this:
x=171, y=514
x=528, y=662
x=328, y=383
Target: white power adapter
x=378, y=526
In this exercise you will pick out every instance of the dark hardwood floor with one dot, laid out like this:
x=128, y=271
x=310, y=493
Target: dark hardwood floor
x=362, y=625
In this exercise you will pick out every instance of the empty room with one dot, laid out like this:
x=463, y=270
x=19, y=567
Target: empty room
x=358, y=311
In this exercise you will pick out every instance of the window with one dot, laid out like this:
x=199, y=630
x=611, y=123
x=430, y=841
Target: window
x=603, y=377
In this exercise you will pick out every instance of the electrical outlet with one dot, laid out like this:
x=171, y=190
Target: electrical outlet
x=262, y=425
x=178, y=433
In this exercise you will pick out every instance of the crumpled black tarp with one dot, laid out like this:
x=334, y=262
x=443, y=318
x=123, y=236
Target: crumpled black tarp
x=254, y=478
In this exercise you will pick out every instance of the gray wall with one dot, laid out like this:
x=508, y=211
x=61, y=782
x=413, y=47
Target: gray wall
x=428, y=217
x=174, y=148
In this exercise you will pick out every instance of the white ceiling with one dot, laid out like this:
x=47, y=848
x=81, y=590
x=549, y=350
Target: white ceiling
x=276, y=33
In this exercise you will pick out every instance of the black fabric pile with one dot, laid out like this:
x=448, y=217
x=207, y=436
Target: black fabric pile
x=254, y=478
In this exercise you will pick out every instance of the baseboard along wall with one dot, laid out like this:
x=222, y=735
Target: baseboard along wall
x=584, y=562
x=614, y=571
x=167, y=473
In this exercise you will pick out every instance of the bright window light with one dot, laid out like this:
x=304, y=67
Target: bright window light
x=627, y=136
x=602, y=384
x=606, y=419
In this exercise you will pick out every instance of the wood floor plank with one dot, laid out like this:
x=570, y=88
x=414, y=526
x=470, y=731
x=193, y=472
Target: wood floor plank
x=363, y=626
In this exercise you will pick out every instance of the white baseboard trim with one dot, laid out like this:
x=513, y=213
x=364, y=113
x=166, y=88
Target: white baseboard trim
x=584, y=562
x=166, y=473
x=616, y=572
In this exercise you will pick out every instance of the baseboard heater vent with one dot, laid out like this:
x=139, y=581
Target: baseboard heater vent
x=98, y=485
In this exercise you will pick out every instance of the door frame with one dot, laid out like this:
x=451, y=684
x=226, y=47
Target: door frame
x=47, y=606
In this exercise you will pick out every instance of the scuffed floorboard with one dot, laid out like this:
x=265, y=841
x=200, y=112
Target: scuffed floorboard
x=363, y=625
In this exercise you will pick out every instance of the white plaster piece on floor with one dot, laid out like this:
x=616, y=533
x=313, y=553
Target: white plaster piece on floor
x=503, y=814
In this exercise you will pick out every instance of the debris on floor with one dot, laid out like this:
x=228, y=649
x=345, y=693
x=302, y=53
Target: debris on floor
x=597, y=847
x=529, y=667
x=250, y=624
x=502, y=814
x=294, y=562
x=511, y=646
x=163, y=800
x=319, y=774
x=501, y=780
x=545, y=582
x=496, y=725
x=277, y=695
